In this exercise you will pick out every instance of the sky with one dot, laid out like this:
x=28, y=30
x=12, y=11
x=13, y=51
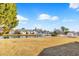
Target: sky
x=48, y=16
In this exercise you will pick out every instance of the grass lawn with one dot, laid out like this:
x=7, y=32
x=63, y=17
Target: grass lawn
x=30, y=46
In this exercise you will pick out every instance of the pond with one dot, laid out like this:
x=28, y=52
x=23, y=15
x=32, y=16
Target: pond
x=19, y=36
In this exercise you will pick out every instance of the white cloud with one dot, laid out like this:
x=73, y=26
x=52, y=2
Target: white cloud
x=68, y=20
x=47, y=17
x=74, y=5
x=55, y=18
x=22, y=20
x=19, y=17
x=44, y=17
x=77, y=9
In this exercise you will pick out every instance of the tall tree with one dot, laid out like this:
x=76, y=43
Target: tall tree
x=64, y=30
x=8, y=18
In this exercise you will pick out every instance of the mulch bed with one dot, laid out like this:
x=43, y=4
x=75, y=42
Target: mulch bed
x=70, y=49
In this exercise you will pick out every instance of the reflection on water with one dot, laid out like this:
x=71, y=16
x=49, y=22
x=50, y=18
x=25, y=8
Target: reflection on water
x=9, y=37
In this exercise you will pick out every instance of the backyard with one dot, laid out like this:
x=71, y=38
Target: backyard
x=30, y=46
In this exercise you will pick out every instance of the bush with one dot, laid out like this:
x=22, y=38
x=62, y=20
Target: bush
x=54, y=33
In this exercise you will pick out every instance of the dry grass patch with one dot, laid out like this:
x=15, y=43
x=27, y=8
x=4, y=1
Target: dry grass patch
x=30, y=46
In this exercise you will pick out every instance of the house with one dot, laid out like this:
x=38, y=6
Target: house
x=38, y=32
x=78, y=33
x=41, y=32
x=12, y=31
x=30, y=31
x=72, y=34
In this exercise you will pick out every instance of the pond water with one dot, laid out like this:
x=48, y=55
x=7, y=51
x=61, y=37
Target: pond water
x=9, y=37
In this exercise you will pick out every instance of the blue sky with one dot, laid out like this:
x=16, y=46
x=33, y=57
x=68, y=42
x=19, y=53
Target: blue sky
x=48, y=15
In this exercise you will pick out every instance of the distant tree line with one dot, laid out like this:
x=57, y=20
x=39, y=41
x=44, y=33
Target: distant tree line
x=63, y=30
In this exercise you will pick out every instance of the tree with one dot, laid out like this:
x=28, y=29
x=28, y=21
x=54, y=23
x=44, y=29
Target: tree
x=64, y=30
x=55, y=32
x=8, y=16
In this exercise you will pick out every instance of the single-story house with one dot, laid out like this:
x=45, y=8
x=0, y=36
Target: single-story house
x=72, y=34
